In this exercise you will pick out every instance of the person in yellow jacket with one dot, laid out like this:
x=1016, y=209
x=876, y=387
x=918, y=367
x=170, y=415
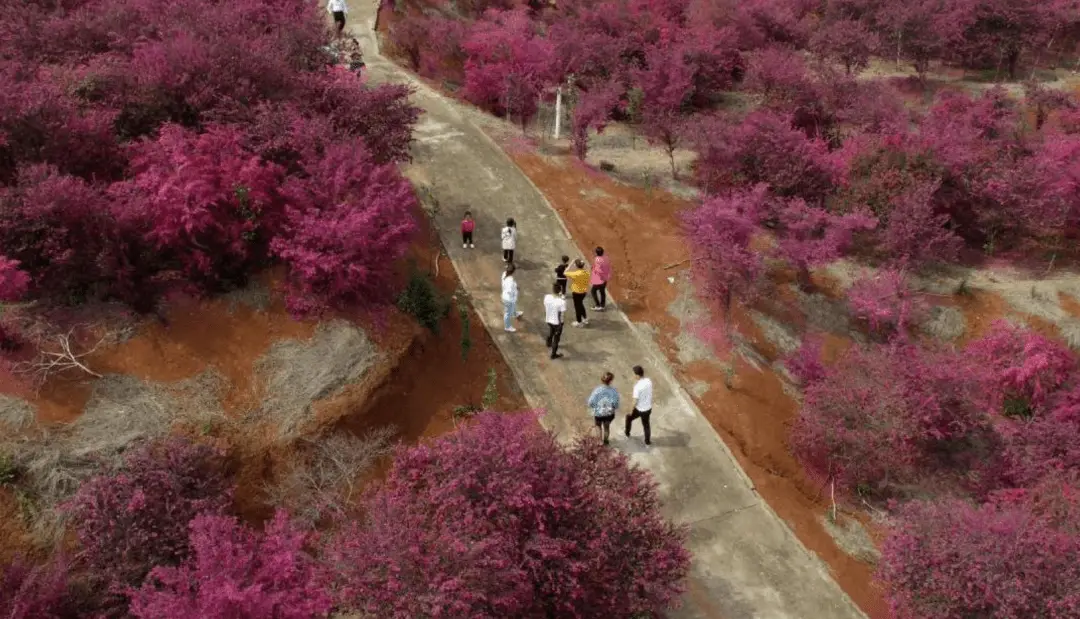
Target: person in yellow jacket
x=579, y=288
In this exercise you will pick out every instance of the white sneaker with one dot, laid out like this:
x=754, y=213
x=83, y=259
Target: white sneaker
x=585, y=322
x=471, y=246
x=575, y=324
x=464, y=245
x=597, y=308
x=520, y=314
x=510, y=330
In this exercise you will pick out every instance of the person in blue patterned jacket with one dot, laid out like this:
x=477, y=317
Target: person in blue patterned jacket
x=603, y=404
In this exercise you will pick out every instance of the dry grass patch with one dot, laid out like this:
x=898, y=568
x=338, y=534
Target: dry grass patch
x=296, y=374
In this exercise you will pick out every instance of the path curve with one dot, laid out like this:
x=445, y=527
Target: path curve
x=747, y=562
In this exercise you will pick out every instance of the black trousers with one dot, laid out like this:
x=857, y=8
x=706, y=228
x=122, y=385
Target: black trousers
x=644, y=416
x=339, y=20
x=579, y=306
x=508, y=255
x=554, y=334
x=466, y=237
x=561, y=281
x=599, y=294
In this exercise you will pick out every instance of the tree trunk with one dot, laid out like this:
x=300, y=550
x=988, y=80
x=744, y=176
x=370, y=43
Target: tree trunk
x=671, y=158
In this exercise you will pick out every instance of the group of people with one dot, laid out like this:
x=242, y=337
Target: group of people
x=603, y=402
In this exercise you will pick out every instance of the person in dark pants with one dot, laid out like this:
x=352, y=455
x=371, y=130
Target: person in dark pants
x=467, y=227
x=643, y=396
x=338, y=8
x=554, y=308
x=579, y=289
x=603, y=403
x=509, y=240
x=601, y=273
x=560, y=274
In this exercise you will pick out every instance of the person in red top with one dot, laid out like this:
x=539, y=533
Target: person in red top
x=467, y=227
x=601, y=273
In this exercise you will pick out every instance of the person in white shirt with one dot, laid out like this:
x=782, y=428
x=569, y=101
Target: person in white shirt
x=509, y=299
x=509, y=240
x=554, y=308
x=643, y=393
x=338, y=8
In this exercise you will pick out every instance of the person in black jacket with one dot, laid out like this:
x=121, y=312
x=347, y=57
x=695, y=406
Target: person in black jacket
x=560, y=274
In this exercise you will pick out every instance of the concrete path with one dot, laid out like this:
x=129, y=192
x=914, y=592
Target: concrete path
x=747, y=563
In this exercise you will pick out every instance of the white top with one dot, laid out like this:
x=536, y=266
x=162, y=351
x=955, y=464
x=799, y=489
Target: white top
x=509, y=289
x=337, y=5
x=509, y=237
x=553, y=308
x=643, y=395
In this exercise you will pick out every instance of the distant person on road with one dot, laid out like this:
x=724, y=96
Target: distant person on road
x=643, y=396
x=603, y=404
x=560, y=274
x=467, y=227
x=509, y=299
x=579, y=288
x=509, y=239
x=601, y=273
x=554, y=308
x=338, y=8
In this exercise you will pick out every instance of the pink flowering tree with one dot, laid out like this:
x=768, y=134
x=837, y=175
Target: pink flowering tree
x=129, y=521
x=806, y=363
x=348, y=221
x=509, y=63
x=592, y=112
x=1027, y=368
x=497, y=520
x=29, y=592
x=847, y=41
x=720, y=233
x=885, y=302
x=14, y=282
x=808, y=236
x=1042, y=446
x=1015, y=557
x=763, y=148
x=886, y=418
x=237, y=573
x=209, y=205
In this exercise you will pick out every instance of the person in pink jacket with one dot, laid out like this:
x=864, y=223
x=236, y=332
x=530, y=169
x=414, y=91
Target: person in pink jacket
x=601, y=273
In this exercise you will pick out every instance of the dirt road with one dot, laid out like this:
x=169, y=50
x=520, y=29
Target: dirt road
x=748, y=564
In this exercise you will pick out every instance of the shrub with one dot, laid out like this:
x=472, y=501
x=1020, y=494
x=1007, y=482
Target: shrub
x=422, y=300
x=28, y=592
x=1027, y=368
x=720, y=232
x=235, y=573
x=1008, y=559
x=347, y=223
x=806, y=364
x=848, y=41
x=497, y=520
x=885, y=302
x=764, y=148
x=886, y=418
x=129, y=521
x=13, y=281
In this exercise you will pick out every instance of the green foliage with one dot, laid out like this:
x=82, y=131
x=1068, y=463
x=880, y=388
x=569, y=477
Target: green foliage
x=491, y=391
x=9, y=471
x=463, y=313
x=421, y=299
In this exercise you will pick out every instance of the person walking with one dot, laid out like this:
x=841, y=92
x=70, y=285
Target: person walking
x=554, y=308
x=509, y=240
x=643, y=396
x=601, y=273
x=579, y=287
x=467, y=227
x=560, y=274
x=603, y=404
x=509, y=299
x=338, y=8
